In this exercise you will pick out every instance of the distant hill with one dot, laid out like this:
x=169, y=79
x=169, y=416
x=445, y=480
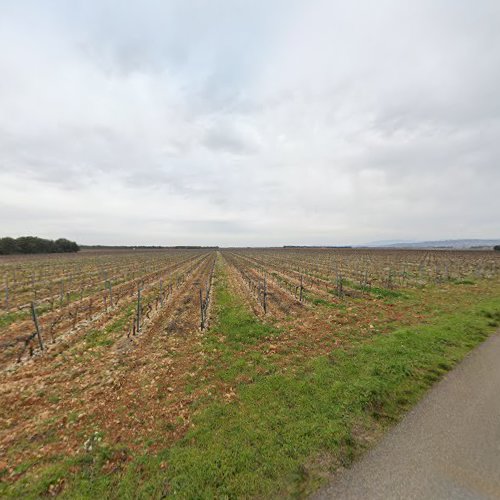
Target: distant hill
x=386, y=243
x=455, y=244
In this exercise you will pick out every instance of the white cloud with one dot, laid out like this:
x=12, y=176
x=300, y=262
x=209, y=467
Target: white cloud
x=249, y=123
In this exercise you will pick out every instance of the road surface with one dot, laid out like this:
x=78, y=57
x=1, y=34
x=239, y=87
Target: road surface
x=447, y=447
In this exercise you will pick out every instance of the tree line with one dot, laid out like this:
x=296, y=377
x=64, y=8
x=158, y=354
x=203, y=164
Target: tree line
x=33, y=244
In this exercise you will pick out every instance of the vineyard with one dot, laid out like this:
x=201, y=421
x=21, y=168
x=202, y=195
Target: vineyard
x=126, y=347
x=57, y=297
x=306, y=275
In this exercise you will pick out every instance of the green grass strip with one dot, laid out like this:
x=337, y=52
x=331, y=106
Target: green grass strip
x=259, y=445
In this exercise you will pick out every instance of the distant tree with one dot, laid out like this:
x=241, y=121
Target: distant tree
x=8, y=246
x=497, y=248
x=33, y=244
x=64, y=245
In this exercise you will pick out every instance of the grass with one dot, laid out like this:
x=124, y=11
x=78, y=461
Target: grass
x=124, y=317
x=259, y=445
x=11, y=317
x=101, y=338
x=317, y=301
x=378, y=292
x=283, y=430
x=97, y=338
x=228, y=344
x=464, y=282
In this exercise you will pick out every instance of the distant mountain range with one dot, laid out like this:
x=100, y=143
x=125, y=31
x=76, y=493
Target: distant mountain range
x=458, y=244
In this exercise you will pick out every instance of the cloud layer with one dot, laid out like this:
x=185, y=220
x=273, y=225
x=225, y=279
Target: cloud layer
x=249, y=123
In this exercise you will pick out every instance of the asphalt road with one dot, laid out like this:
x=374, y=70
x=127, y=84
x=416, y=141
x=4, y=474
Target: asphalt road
x=447, y=447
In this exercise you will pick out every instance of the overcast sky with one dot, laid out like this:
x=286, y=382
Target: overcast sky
x=258, y=122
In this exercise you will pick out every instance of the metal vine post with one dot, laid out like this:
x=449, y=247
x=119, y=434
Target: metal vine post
x=37, y=325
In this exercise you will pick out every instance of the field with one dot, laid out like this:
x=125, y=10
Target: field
x=231, y=373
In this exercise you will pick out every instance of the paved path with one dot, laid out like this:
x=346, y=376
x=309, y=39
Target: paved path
x=447, y=447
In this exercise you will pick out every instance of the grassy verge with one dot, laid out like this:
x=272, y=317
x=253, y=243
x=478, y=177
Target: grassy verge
x=267, y=442
x=281, y=430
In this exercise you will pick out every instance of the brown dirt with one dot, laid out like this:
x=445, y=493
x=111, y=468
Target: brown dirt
x=133, y=392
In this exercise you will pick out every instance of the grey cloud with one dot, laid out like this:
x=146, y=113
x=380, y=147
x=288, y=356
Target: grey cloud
x=229, y=137
x=239, y=123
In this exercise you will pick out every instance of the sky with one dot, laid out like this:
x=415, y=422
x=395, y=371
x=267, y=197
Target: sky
x=258, y=122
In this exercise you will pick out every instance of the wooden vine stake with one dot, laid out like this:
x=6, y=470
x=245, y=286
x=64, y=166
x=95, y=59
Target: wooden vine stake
x=340, y=287
x=37, y=325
